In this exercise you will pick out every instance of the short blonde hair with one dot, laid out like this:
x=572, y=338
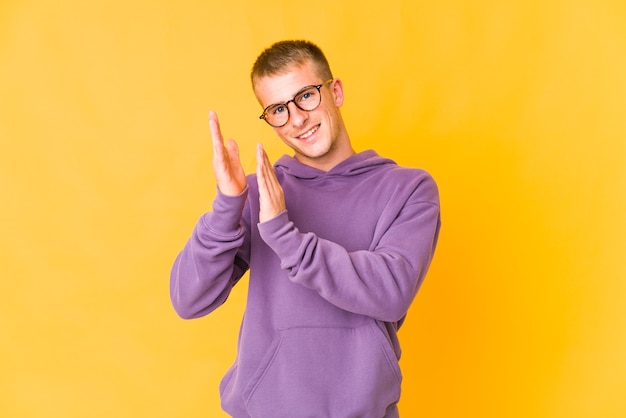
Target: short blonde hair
x=282, y=55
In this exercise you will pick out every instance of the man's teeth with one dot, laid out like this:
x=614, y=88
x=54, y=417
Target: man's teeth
x=309, y=133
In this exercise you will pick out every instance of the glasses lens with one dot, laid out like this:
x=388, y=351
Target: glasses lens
x=308, y=99
x=277, y=115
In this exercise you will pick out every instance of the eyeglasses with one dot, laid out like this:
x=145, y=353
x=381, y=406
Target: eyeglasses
x=307, y=99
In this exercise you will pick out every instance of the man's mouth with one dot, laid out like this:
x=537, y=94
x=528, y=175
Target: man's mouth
x=308, y=133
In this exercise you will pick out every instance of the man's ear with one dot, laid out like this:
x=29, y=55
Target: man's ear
x=336, y=87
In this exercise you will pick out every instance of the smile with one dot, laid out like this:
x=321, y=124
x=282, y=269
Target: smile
x=309, y=132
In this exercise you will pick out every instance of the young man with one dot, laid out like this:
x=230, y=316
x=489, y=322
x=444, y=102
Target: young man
x=337, y=244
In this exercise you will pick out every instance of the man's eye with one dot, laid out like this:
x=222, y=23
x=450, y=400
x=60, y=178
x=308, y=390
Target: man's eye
x=305, y=95
x=278, y=109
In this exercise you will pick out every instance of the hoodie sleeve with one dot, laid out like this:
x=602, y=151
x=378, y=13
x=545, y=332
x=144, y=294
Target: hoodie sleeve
x=213, y=259
x=380, y=282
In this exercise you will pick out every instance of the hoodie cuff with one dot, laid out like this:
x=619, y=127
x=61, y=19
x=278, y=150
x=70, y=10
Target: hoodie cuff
x=225, y=219
x=278, y=233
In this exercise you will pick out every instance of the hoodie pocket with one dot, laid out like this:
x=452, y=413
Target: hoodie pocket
x=325, y=372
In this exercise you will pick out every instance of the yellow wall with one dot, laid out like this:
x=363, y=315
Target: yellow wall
x=516, y=107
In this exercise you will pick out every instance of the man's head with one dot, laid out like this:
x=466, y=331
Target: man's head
x=301, y=100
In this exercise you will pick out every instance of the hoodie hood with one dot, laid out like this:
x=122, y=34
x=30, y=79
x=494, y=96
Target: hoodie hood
x=357, y=164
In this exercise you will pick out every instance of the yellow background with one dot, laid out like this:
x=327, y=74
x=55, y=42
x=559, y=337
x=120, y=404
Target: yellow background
x=516, y=107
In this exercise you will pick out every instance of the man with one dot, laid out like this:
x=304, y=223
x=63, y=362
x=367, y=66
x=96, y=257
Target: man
x=337, y=244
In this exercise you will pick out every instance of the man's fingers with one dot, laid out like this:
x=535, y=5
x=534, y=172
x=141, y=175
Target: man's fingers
x=216, y=134
x=233, y=153
x=260, y=171
x=265, y=172
x=231, y=179
x=270, y=175
x=259, y=153
x=214, y=123
x=271, y=198
x=232, y=147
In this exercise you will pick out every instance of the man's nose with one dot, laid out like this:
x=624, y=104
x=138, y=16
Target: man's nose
x=297, y=116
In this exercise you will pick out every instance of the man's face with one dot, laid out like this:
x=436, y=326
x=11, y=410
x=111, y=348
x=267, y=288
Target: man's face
x=318, y=137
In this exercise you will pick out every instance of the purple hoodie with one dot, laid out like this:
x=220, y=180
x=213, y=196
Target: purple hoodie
x=331, y=280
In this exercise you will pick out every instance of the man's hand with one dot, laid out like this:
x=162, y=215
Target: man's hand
x=229, y=174
x=271, y=197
